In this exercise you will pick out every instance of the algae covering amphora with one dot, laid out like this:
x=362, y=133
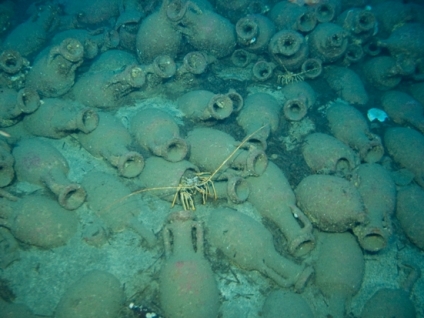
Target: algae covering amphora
x=187, y=285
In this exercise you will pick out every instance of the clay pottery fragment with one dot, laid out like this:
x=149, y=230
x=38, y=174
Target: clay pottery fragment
x=349, y=125
x=339, y=270
x=378, y=191
x=331, y=203
x=40, y=163
x=406, y=147
x=249, y=245
x=403, y=109
x=273, y=197
x=111, y=141
x=57, y=118
x=95, y=294
x=157, y=131
x=53, y=72
x=187, y=287
x=327, y=155
x=37, y=220
x=109, y=198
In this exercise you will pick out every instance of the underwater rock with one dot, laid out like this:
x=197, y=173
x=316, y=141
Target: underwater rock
x=40, y=163
x=187, y=287
x=39, y=221
x=95, y=294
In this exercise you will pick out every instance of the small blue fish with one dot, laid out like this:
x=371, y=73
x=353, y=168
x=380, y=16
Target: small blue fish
x=376, y=113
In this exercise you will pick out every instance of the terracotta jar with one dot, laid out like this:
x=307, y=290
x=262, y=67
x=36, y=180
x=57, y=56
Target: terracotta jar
x=157, y=35
x=328, y=42
x=410, y=200
x=40, y=163
x=53, y=73
x=346, y=84
x=95, y=294
x=194, y=63
x=162, y=178
x=284, y=301
x=39, y=221
x=273, y=197
x=378, y=192
x=187, y=287
x=250, y=246
x=128, y=23
x=291, y=16
x=204, y=29
x=360, y=23
x=390, y=14
x=326, y=154
x=212, y=149
x=403, y=109
x=339, y=270
x=382, y=72
x=298, y=98
x=205, y=105
x=13, y=69
x=107, y=88
x=288, y=49
x=57, y=118
x=349, y=125
x=260, y=109
x=406, y=146
x=157, y=131
x=7, y=172
x=111, y=141
x=331, y=203
x=25, y=101
x=254, y=32
x=263, y=70
x=31, y=35
x=110, y=200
